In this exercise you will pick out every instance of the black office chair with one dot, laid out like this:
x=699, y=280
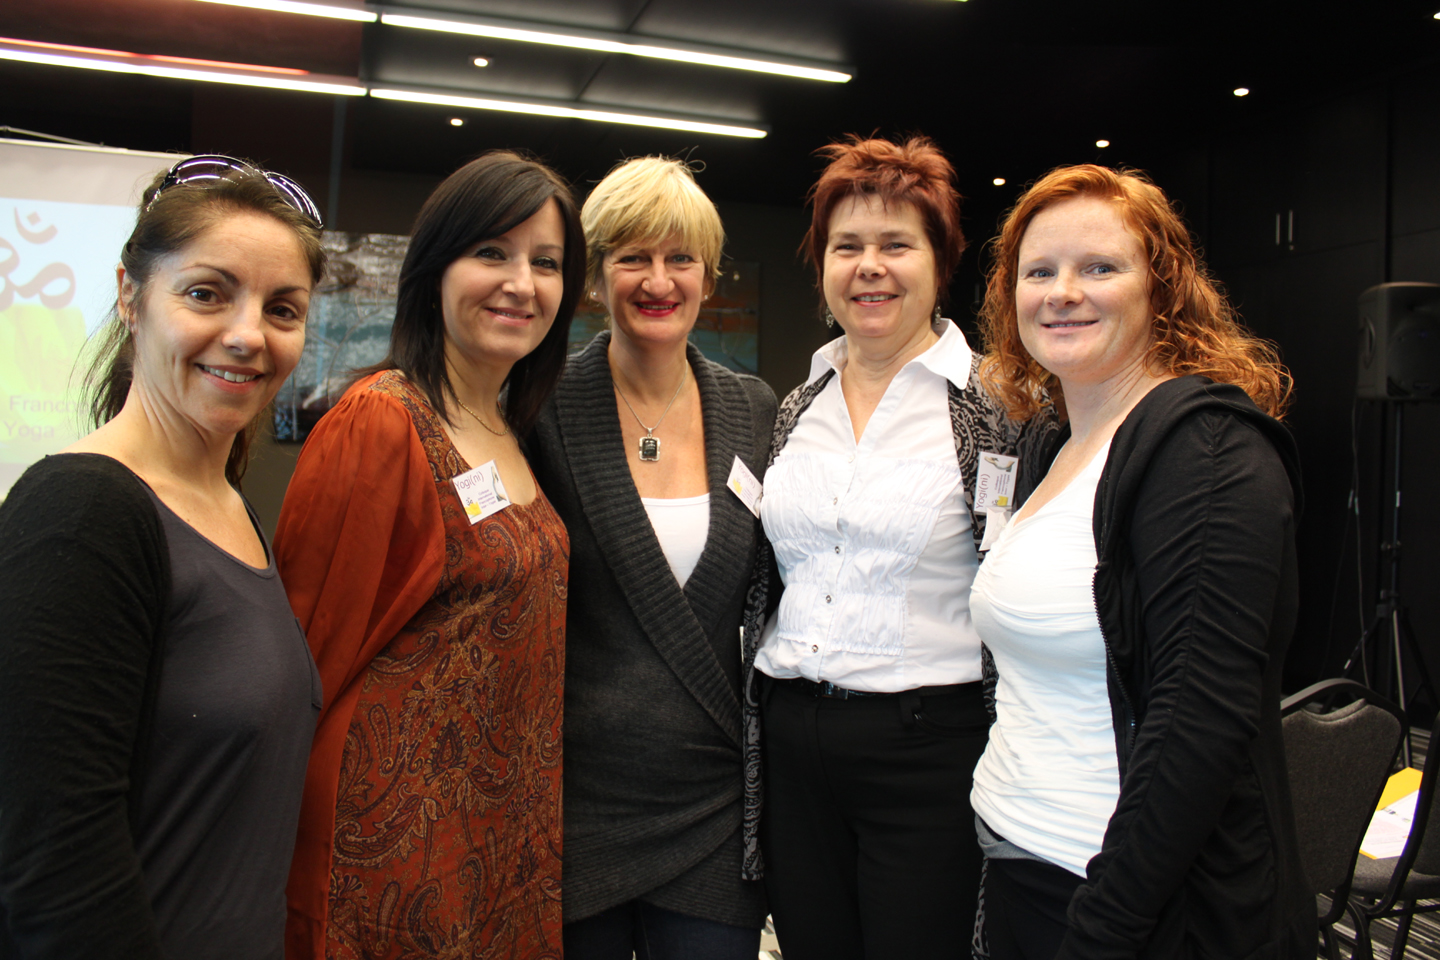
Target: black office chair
x=1389, y=888
x=1338, y=759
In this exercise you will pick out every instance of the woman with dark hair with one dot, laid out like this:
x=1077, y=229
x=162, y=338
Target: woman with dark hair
x=889, y=468
x=1133, y=800
x=638, y=448
x=156, y=698
x=429, y=572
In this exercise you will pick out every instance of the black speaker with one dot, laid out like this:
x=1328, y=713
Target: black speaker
x=1400, y=342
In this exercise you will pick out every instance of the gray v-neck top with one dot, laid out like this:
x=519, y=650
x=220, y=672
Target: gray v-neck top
x=234, y=718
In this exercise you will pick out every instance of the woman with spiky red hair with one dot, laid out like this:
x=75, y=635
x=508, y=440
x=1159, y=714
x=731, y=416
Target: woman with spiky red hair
x=866, y=671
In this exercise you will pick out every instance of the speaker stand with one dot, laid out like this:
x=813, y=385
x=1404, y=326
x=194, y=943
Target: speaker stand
x=1389, y=636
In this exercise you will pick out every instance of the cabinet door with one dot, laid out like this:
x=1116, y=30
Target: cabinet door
x=1335, y=166
x=1415, y=194
x=1248, y=191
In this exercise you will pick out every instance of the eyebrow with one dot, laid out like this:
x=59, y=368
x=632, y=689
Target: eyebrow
x=231, y=278
x=884, y=234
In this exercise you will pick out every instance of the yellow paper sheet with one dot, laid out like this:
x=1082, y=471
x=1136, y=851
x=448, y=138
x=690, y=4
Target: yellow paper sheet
x=1399, y=784
x=1390, y=827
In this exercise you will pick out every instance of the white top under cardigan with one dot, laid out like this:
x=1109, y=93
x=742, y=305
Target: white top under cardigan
x=681, y=525
x=873, y=538
x=1049, y=778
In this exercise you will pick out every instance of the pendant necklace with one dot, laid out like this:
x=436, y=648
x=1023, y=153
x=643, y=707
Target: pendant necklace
x=498, y=433
x=650, y=444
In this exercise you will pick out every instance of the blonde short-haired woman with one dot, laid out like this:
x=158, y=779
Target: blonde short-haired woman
x=635, y=450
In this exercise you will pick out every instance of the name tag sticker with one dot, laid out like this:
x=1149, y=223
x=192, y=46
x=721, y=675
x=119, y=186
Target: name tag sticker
x=743, y=484
x=995, y=485
x=481, y=492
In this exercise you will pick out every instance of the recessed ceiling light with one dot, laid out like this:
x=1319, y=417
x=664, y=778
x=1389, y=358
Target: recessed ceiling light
x=1102, y=144
x=998, y=181
x=481, y=61
x=1242, y=91
x=457, y=121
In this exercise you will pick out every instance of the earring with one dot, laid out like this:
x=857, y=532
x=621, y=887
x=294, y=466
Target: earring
x=829, y=318
x=935, y=317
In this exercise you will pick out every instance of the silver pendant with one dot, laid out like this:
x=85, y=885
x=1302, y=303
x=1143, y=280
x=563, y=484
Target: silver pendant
x=649, y=448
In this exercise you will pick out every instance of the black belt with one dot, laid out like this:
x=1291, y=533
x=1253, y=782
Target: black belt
x=825, y=688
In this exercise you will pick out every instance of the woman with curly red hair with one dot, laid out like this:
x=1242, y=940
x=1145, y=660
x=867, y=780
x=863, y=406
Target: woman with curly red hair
x=870, y=676
x=1132, y=801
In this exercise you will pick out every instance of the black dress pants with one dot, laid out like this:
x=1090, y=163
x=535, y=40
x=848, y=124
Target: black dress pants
x=867, y=831
x=1025, y=906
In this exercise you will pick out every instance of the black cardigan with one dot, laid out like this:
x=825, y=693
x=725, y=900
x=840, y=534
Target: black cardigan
x=141, y=817
x=652, y=678
x=1196, y=592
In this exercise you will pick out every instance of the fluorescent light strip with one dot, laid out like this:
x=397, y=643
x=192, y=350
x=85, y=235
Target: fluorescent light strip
x=100, y=52
x=601, y=44
x=285, y=78
x=134, y=63
x=306, y=9
x=566, y=112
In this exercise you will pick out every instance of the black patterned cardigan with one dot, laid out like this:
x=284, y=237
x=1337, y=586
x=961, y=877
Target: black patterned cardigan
x=978, y=422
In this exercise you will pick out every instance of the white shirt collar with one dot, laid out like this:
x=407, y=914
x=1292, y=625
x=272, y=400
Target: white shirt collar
x=948, y=357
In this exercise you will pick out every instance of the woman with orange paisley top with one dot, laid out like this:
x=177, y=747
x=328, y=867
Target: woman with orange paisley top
x=430, y=573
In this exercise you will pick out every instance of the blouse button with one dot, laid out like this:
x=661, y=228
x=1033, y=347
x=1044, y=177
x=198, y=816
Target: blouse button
x=835, y=501
x=850, y=459
x=827, y=598
x=814, y=648
x=837, y=548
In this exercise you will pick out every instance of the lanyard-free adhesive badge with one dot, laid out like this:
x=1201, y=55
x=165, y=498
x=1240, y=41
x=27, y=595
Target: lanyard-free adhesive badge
x=995, y=482
x=481, y=492
x=743, y=484
x=995, y=493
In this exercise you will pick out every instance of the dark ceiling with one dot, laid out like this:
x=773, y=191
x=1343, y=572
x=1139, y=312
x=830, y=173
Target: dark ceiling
x=1008, y=87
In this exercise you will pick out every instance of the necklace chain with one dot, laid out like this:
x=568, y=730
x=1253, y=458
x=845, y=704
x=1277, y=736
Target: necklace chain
x=498, y=433
x=650, y=444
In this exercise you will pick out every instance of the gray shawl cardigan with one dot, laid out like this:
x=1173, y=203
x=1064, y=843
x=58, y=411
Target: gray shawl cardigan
x=653, y=733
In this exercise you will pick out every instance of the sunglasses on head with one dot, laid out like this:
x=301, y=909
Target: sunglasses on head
x=210, y=169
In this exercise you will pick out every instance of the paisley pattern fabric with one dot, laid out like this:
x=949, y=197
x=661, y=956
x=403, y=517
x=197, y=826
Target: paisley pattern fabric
x=978, y=422
x=447, y=827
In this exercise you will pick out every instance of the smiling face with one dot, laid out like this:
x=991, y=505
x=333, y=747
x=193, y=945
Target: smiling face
x=880, y=277
x=1082, y=292
x=499, y=298
x=220, y=324
x=653, y=290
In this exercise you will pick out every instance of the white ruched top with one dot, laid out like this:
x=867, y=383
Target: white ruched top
x=873, y=538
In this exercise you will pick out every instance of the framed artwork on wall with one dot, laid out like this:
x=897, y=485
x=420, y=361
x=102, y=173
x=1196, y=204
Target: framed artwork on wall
x=353, y=309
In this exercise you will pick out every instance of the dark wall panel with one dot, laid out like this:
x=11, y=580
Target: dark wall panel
x=1335, y=160
x=790, y=328
x=1306, y=304
x=1416, y=185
